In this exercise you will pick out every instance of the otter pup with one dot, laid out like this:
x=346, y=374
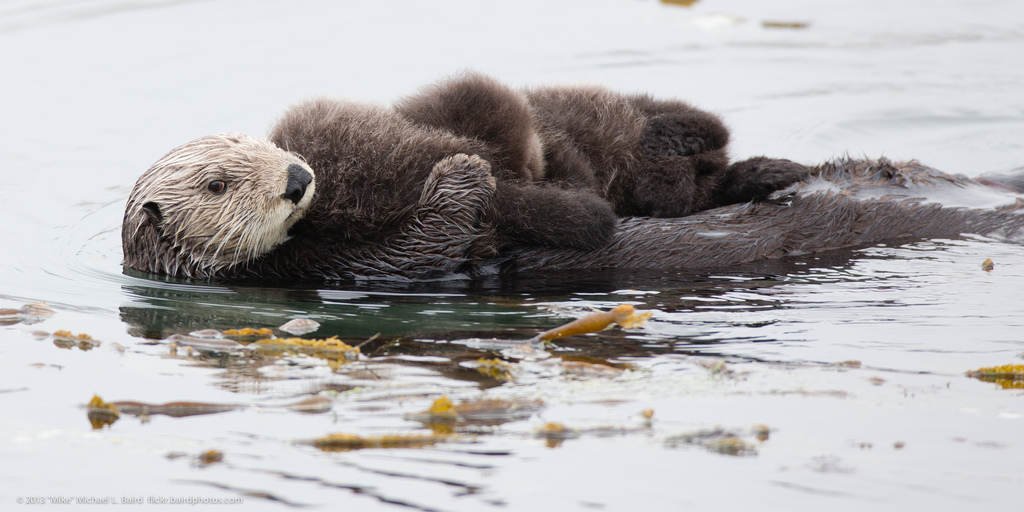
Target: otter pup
x=646, y=157
x=554, y=166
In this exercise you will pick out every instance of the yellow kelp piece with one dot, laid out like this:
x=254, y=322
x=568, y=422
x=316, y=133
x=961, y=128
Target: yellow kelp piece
x=65, y=339
x=101, y=414
x=328, y=346
x=1010, y=376
x=248, y=331
x=348, y=442
x=624, y=315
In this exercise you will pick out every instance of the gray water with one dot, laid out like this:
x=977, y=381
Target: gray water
x=854, y=360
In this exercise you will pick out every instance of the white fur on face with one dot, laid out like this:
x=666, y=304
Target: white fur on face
x=249, y=218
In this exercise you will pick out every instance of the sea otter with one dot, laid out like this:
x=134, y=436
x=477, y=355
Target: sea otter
x=568, y=160
x=468, y=173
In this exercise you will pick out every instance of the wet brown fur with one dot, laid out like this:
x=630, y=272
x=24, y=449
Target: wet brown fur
x=828, y=211
x=174, y=225
x=434, y=186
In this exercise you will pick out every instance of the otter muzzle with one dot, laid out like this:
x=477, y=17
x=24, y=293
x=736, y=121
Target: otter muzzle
x=298, y=179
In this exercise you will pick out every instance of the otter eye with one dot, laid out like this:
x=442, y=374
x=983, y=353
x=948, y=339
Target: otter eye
x=218, y=186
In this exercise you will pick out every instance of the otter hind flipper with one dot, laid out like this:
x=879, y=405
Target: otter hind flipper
x=528, y=214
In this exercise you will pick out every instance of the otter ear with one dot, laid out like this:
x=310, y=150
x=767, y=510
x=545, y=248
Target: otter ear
x=152, y=211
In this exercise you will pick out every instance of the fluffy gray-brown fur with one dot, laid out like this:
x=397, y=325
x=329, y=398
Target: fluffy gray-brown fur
x=645, y=157
x=435, y=185
x=374, y=161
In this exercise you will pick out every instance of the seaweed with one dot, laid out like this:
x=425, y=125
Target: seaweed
x=349, y=442
x=173, y=409
x=209, y=457
x=443, y=415
x=248, y=332
x=719, y=440
x=554, y=434
x=101, y=414
x=332, y=349
x=65, y=339
x=623, y=315
x=29, y=314
x=1010, y=376
x=493, y=368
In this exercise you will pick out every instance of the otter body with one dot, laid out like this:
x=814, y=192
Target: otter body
x=469, y=172
x=568, y=160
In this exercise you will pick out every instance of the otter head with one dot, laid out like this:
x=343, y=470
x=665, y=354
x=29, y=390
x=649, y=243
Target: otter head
x=213, y=203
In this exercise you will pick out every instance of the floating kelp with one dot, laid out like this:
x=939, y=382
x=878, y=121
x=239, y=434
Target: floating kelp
x=645, y=417
x=248, y=332
x=494, y=368
x=554, y=434
x=299, y=326
x=349, y=442
x=761, y=431
x=987, y=265
x=1010, y=376
x=332, y=347
x=65, y=339
x=174, y=409
x=100, y=413
x=785, y=24
x=719, y=440
x=445, y=416
x=681, y=3
x=623, y=315
x=209, y=457
x=29, y=314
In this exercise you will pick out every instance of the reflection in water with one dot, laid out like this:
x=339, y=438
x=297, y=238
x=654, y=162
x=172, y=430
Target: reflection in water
x=159, y=309
x=775, y=332
x=476, y=333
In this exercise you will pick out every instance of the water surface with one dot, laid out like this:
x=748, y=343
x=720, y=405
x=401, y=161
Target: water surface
x=854, y=360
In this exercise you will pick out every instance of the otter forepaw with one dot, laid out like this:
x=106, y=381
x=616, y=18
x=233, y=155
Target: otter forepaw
x=460, y=178
x=756, y=178
x=682, y=134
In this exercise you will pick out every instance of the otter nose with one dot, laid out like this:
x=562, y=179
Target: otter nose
x=298, y=179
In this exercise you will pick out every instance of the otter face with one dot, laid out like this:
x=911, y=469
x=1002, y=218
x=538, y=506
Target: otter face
x=212, y=203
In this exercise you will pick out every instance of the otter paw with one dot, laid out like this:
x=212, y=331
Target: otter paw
x=756, y=178
x=682, y=134
x=456, y=193
x=462, y=173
